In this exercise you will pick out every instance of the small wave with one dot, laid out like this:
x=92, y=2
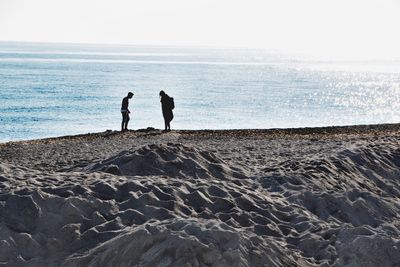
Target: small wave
x=93, y=53
x=127, y=61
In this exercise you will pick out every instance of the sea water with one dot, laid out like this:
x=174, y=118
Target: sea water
x=51, y=90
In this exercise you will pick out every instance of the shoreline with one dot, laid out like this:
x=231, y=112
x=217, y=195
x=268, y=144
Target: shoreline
x=366, y=129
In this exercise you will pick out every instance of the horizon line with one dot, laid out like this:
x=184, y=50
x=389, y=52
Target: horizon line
x=218, y=47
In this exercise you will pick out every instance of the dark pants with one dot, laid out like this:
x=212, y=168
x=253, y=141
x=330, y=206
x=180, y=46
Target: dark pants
x=168, y=116
x=125, y=120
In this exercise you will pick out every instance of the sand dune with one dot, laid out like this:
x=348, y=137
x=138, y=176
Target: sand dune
x=174, y=160
x=202, y=199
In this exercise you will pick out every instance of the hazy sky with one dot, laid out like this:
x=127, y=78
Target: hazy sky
x=337, y=27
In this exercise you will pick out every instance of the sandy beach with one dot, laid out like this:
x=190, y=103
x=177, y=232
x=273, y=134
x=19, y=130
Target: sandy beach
x=280, y=197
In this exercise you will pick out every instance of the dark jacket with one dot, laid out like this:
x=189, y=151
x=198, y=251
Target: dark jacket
x=166, y=108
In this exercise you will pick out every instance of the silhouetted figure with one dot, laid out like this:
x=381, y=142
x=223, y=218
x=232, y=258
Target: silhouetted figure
x=167, y=105
x=125, y=112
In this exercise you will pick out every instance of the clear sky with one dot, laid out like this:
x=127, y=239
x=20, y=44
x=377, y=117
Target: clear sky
x=360, y=28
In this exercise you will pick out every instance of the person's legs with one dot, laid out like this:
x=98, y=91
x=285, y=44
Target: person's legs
x=169, y=121
x=165, y=124
x=125, y=120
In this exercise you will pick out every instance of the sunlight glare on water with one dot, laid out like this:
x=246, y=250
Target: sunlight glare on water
x=57, y=89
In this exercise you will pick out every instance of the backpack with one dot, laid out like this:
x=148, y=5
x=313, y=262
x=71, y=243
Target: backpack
x=171, y=103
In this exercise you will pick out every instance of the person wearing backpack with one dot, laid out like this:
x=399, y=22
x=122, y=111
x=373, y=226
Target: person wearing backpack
x=167, y=105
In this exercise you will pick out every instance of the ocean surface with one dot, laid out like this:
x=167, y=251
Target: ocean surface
x=51, y=90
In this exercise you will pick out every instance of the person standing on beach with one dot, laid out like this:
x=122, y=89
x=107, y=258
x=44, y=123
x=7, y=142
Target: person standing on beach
x=125, y=111
x=167, y=105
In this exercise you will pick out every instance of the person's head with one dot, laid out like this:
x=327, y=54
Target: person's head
x=130, y=94
x=162, y=93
